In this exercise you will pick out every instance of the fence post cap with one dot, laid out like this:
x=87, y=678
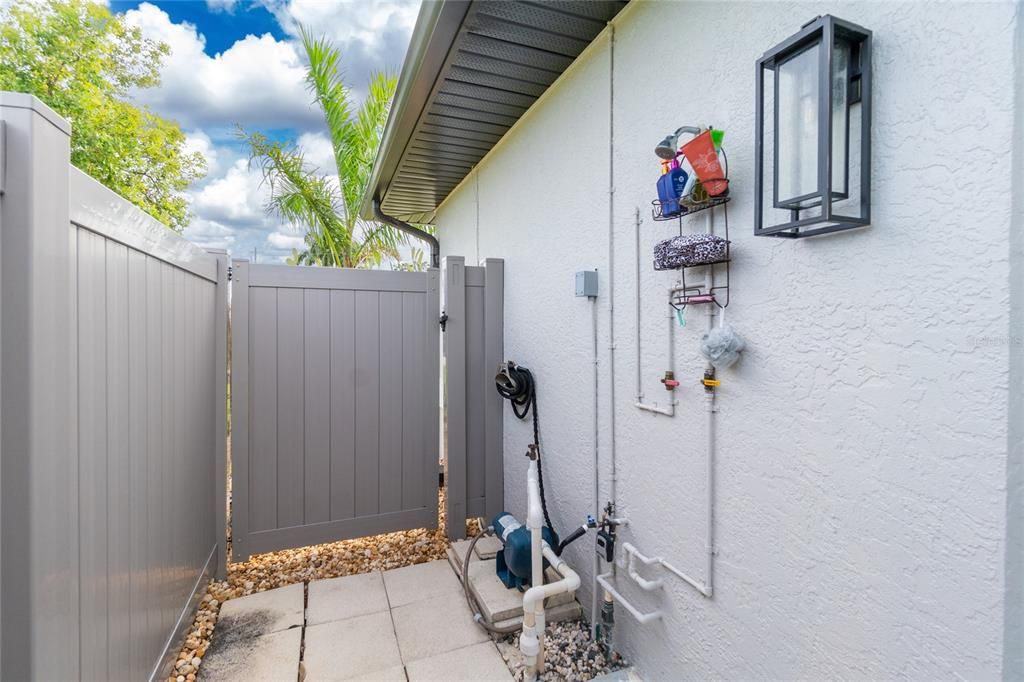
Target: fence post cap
x=21, y=100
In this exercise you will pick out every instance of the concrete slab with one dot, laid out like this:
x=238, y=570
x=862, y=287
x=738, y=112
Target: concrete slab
x=460, y=547
x=453, y=561
x=496, y=601
x=352, y=648
x=488, y=547
x=420, y=582
x=260, y=614
x=556, y=614
x=476, y=662
x=345, y=597
x=433, y=626
x=267, y=657
x=396, y=674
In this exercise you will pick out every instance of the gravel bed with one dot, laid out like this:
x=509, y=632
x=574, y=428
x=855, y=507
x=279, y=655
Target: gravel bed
x=277, y=569
x=570, y=655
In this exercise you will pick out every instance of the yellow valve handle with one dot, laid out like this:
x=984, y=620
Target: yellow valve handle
x=711, y=382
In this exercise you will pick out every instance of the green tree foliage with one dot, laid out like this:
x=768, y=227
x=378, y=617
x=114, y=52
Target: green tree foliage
x=83, y=61
x=306, y=196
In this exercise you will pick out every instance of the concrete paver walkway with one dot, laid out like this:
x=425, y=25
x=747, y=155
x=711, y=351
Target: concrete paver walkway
x=409, y=623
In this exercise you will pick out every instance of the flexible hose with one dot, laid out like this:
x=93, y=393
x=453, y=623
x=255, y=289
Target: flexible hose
x=522, y=393
x=471, y=601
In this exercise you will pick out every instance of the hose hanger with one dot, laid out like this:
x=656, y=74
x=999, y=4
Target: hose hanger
x=515, y=383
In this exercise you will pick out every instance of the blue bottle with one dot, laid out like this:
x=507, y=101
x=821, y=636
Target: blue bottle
x=667, y=192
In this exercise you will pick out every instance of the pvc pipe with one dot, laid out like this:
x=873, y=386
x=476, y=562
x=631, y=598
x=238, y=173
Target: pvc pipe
x=640, y=616
x=597, y=480
x=705, y=587
x=648, y=585
x=710, y=408
x=531, y=642
x=709, y=534
x=570, y=582
x=702, y=587
x=670, y=410
x=611, y=316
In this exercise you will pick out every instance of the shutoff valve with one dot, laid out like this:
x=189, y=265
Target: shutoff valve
x=670, y=381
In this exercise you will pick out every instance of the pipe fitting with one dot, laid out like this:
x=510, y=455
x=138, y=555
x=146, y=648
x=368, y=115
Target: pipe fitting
x=529, y=644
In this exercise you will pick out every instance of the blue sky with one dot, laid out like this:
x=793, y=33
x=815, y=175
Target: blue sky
x=220, y=27
x=238, y=63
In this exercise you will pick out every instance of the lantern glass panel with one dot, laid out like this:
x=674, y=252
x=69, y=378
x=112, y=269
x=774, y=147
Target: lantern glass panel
x=840, y=117
x=796, y=144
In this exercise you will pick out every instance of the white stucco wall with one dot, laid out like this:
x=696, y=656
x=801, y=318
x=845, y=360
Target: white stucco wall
x=862, y=470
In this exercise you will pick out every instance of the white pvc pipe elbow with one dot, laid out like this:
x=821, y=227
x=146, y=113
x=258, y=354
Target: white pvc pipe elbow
x=533, y=609
x=640, y=616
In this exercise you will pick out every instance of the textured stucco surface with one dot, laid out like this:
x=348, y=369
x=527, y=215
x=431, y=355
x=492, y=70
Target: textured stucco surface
x=862, y=470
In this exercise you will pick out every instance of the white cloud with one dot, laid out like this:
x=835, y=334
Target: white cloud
x=230, y=213
x=257, y=82
x=318, y=153
x=284, y=241
x=198, y=141
x=217, y=6
x=371, y=34
x=234, y=198
x=209, y=234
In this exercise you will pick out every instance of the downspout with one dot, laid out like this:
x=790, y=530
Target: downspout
x=415, y=232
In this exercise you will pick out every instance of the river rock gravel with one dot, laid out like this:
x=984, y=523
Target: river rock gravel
x=570, y=654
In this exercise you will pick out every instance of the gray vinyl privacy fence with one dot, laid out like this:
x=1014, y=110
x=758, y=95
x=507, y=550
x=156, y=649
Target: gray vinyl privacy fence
x=112, y=411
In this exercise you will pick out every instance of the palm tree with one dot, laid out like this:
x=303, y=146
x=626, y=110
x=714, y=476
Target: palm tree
x=305, y=196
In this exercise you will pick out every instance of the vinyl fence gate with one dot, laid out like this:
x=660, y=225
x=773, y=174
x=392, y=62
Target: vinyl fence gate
x=334, y=402
x=336, y=389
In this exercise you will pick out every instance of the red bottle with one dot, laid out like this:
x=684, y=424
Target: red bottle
x=700, y=152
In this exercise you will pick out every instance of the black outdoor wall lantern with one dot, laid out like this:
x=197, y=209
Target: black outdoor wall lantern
x=818, y=138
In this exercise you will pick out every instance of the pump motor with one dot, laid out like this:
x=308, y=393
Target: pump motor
x=515, y=562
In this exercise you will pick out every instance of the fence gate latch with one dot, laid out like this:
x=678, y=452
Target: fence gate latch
x=444, y=320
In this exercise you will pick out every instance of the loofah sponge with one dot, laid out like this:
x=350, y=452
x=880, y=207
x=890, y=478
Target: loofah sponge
x=722, y=346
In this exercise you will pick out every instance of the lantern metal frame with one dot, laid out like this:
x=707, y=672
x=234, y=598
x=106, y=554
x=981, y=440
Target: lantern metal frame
x=821, y=32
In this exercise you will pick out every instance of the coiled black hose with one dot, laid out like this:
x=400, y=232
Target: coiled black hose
x=516, y=385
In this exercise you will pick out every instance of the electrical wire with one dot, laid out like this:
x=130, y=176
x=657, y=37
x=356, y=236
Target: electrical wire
x=471, y=600
x=521, y=391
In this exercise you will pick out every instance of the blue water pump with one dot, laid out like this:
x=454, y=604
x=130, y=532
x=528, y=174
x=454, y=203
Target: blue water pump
x=514, y=563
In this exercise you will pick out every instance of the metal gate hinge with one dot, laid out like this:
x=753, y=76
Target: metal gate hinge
x=231, y=271
x=444, y=320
